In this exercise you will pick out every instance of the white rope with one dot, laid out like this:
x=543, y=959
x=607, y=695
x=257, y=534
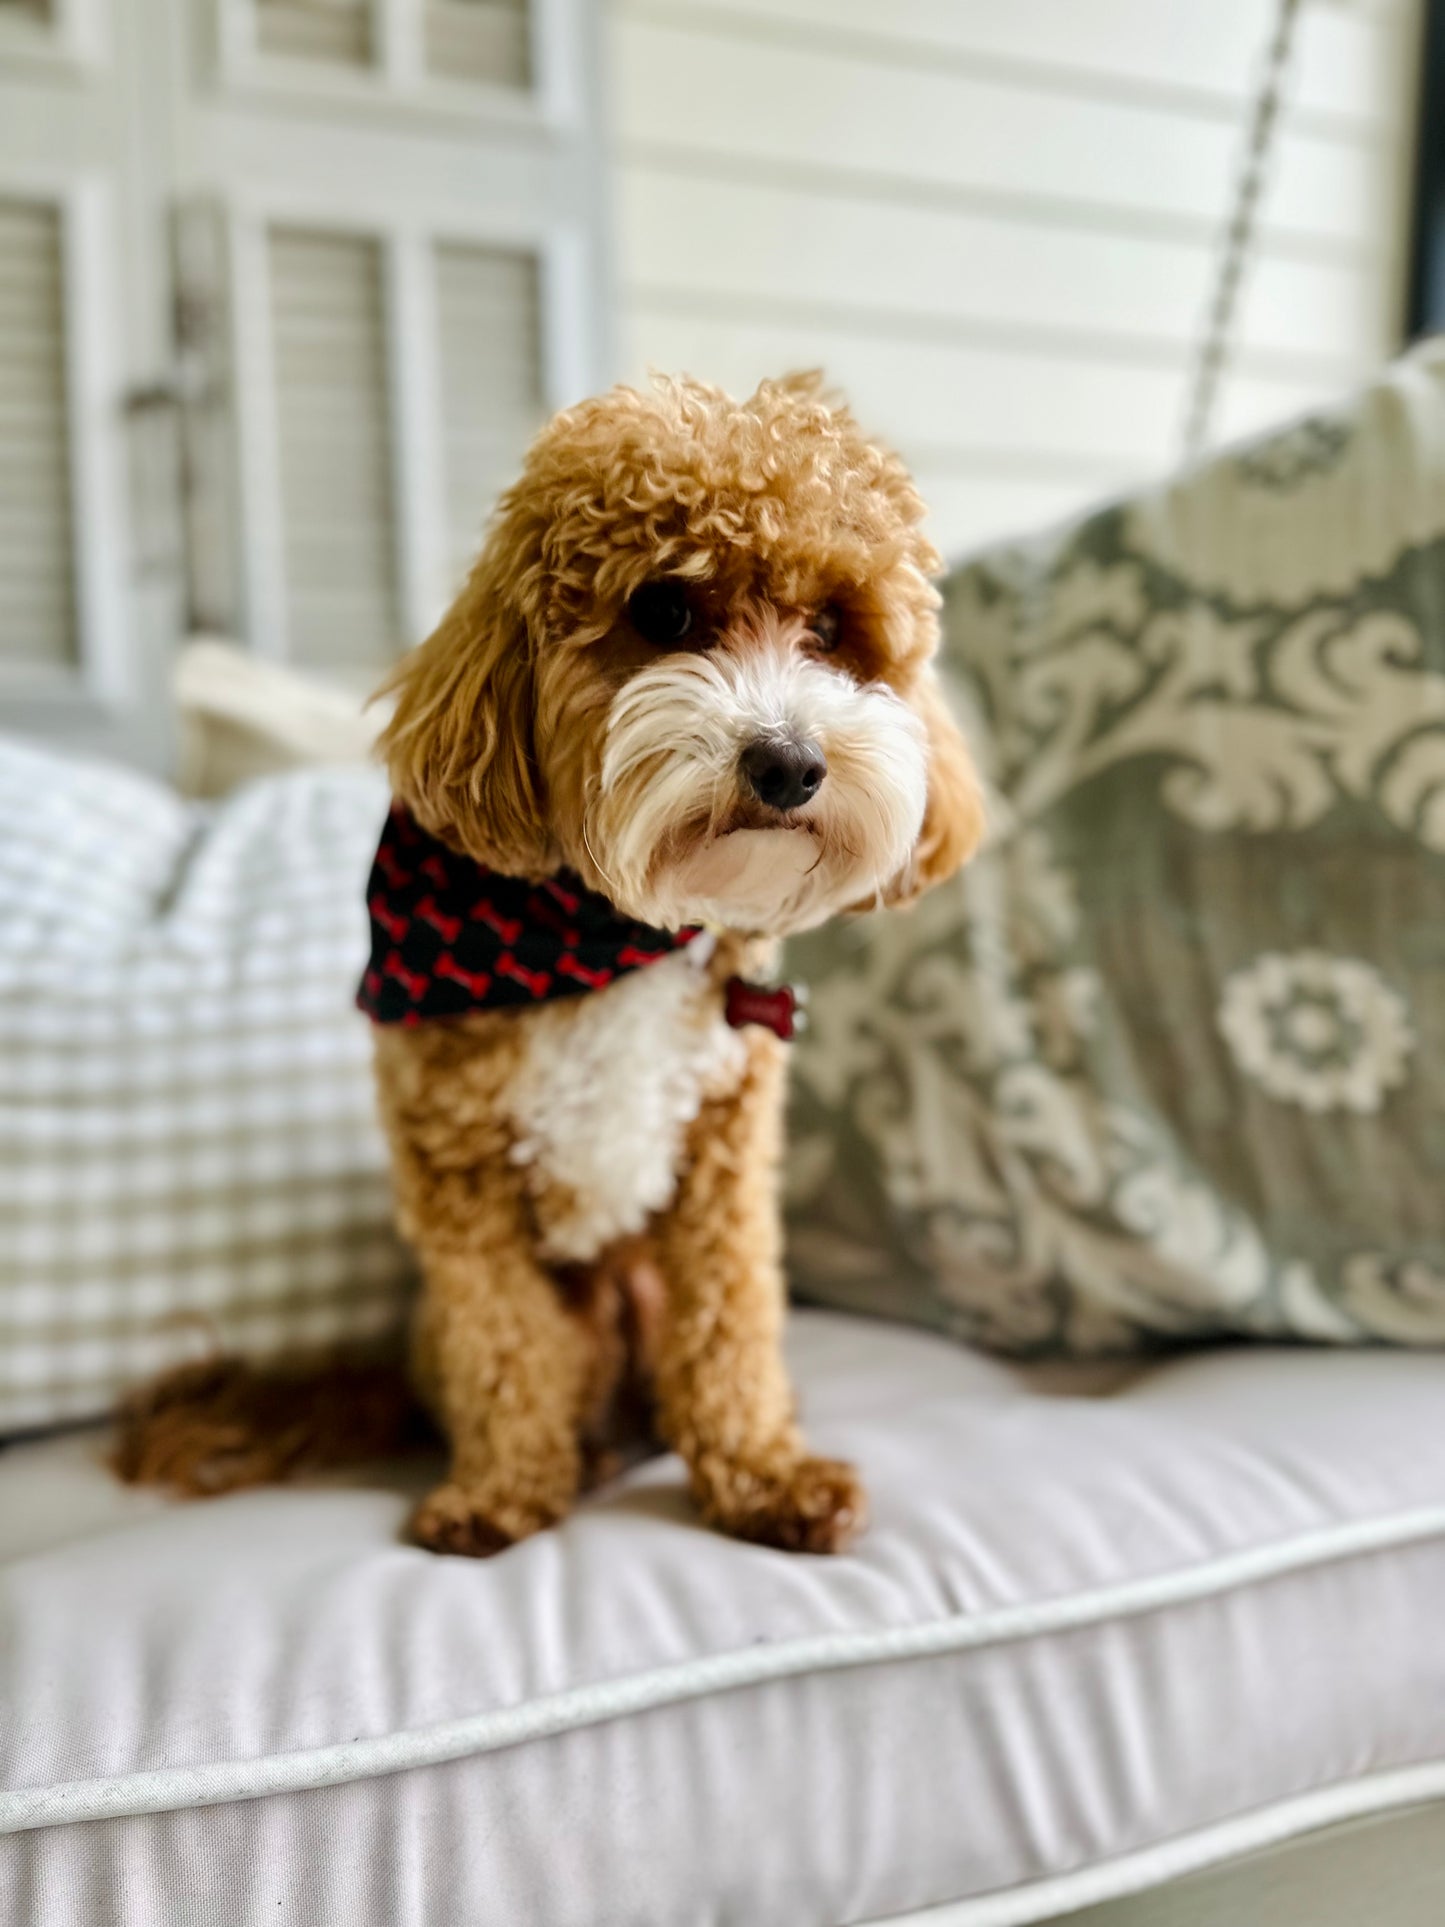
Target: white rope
x=1212, y=357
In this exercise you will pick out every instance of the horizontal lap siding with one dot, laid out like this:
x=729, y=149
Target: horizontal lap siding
x=997, y=226
x=1347, y=53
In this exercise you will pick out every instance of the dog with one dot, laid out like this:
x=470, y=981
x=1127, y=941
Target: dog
x=683, y=707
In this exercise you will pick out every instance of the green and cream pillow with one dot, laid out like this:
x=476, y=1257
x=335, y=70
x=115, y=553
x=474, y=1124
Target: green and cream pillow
x=1169, y=1060
x=190, y=1158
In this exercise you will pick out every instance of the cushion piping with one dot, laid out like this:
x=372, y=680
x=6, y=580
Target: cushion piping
x=169, y=1788
x=1186, y=1853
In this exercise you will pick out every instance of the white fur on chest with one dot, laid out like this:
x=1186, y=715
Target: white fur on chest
x=604, y=1096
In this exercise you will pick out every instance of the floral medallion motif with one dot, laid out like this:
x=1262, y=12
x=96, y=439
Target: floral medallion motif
x=1324, y=1032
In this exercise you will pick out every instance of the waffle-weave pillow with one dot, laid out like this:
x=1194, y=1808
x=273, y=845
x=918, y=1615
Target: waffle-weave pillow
x=189, y=1153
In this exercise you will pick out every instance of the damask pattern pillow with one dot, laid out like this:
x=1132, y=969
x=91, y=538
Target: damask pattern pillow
x=1169, y=1060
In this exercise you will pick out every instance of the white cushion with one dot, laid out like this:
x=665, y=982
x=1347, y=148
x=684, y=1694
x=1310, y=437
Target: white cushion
x=1109, y=1621
x=241, y=716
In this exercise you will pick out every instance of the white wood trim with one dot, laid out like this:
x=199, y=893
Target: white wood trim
x=263, y=563
x=488, y=227
x=271, y=80
x=94, y=382
x=466, y=224
x=236, y=48
x=568, y=371
x=557, y=36
x=398, y=88
x=396, y=32
x=418, y=456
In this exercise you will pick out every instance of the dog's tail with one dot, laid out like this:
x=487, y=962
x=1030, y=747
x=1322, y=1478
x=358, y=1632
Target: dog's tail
x=224, y=1425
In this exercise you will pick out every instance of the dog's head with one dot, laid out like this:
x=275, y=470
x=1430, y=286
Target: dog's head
x=692, y=664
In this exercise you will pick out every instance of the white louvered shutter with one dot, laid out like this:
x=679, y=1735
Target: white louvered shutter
x=37, y=562
x=489, y=316
x=337, y=480
x=402, y=382
x=478, y=40
x=416, y=286
x=285, y=286
x=326, y=30
x=77, y=639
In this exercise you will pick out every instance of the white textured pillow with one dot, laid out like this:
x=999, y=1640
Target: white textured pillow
x=189, y=1153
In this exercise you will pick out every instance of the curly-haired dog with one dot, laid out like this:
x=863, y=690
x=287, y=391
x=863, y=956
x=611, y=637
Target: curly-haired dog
x=682, y=707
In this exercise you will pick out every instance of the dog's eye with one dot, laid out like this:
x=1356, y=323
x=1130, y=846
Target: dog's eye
x=826, y=627
x=660, y=613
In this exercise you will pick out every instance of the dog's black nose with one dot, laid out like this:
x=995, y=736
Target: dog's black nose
x=783, y=771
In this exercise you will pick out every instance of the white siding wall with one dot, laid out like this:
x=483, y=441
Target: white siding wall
x=995, y=222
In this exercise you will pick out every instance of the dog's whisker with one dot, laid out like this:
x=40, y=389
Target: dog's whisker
x=601, y=868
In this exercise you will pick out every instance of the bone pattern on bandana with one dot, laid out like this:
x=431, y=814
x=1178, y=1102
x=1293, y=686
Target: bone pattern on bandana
x=450, y=936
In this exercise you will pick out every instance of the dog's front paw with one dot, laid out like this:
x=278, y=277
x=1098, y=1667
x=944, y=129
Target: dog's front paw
x=814, y=1505
x=452, y=1519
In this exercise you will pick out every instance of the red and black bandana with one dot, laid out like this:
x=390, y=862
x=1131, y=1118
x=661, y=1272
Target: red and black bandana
x=449, y=936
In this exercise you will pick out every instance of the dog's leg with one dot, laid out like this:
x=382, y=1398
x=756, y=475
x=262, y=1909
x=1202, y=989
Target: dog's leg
x=723, y=1393
x=503, y=1364
x=506, y=1368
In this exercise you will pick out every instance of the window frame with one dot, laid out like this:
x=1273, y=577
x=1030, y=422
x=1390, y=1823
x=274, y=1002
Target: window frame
x=398, y=85
x=184, y=113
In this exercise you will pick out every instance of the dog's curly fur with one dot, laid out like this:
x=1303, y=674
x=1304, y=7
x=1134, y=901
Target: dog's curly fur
x=538, y=728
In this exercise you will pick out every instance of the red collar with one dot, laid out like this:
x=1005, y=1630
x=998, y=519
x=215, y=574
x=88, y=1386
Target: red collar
x=450, y=936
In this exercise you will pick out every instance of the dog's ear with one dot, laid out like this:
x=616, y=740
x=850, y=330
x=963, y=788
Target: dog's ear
x=954, y=816
x=460, y=746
